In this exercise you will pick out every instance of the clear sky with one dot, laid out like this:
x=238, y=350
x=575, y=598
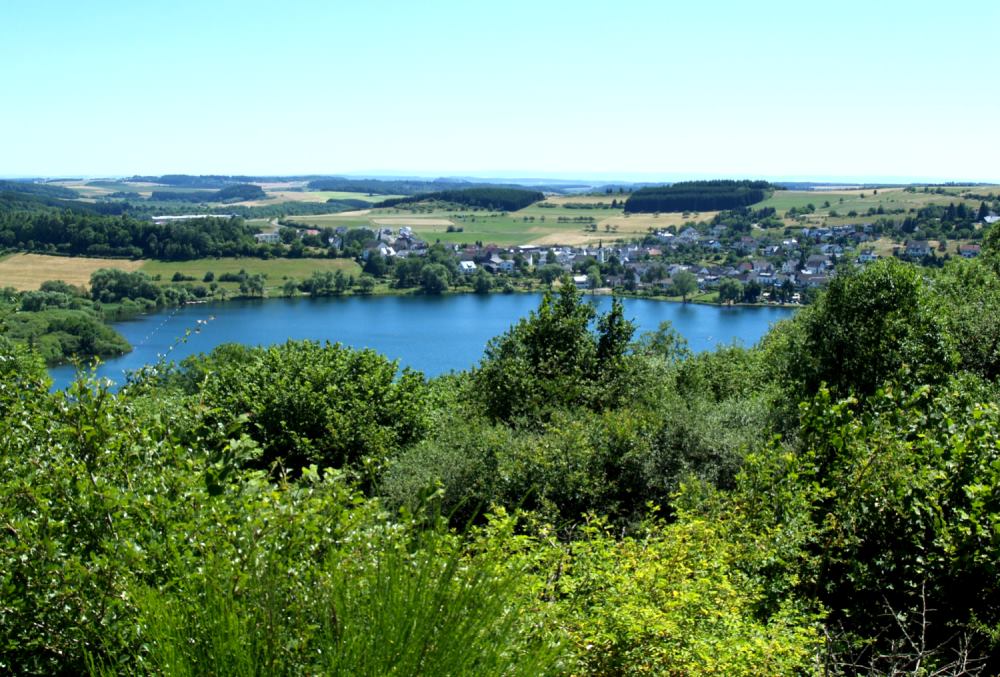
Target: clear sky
x=877, y=89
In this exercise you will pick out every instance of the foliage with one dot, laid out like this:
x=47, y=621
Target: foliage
x=305, y=403
x=697, y=196
x=685, y=284
x=668, y=599
x=552, y=359
x=506, y=199
x=870, y=324
x=900, y=494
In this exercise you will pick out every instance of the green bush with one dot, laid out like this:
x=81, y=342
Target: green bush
x=306, y=402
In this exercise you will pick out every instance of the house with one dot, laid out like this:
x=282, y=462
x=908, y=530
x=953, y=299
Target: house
x=689, y=236
x=867, y=256
x=580, y=281
x=917, y=249
x=268, y=238
x=382, y=249
x=991, y=219
x=466, y=267
x=968, y=251
x=817, y=264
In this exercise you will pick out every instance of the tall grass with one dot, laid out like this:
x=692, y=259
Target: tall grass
x=389, y=605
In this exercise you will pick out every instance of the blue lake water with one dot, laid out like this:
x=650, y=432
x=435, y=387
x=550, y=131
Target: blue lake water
x=432, y=334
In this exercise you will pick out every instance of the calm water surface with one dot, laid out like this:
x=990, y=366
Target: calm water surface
x=433, y=334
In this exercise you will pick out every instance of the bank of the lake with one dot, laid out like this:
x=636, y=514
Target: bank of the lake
x=434, y=334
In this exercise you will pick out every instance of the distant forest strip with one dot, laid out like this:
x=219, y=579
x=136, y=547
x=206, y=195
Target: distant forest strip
x=205, y=181
x=240, y=192
x=410, y=186
x=44, y=190
x=507, y=199
x=36, y=225
x=698, y=196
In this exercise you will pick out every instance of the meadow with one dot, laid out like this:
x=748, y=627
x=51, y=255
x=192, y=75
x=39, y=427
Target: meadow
x=275, y=271
x=26, y=272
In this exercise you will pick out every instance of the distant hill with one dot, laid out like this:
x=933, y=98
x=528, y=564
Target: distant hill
x=698, y=196
x=41, y=189
x=506, y=199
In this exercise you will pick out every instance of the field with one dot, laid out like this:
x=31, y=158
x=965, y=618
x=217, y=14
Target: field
x=532, y=225
x=275, y=270
x=28, y=271
x=277, y=192
x=860, y=201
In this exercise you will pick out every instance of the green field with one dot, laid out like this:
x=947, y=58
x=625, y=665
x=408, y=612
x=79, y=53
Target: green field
x=275, y=270
x=861, y=201
x=531, y=225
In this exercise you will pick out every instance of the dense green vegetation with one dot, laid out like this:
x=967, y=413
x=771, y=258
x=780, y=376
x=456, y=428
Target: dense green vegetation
x=58, y=322
x=239, y=192
x=697, y=196
x=397, y=186
x=506, y=199
x=38, y=189
x=585, y=501
x=68, y=231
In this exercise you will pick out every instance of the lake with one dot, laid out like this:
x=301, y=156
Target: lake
x=432, y=334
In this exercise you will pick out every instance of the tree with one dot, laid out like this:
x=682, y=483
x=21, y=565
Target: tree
x=594, y=276
x=752, y=291
x=685, y=283
x=482, y=282
x=552, y=359
x=867, y=326
x=340, y=284
x=291, y=287
x=366, y=284
x=434, y=278
x=550, y=272
x=253, y=285
x=730, y=291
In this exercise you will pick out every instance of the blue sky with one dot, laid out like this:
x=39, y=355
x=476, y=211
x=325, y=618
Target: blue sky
x=631, y=89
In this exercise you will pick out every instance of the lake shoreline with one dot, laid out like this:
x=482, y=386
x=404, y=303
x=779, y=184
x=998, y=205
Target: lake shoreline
x=434, y=334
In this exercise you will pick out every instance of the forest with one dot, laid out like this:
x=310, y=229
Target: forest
x=698, y=196
x=506, y=199
x=583, y=501
x=69, y=231
x=240, y=192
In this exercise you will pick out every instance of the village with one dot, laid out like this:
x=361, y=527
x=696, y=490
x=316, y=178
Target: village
x=771, y=267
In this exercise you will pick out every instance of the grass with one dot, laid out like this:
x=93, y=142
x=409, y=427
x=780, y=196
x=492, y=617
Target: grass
x=383, y=608
x=275, y=270
x=522, y=227
x=28, y=271
x=860, y=201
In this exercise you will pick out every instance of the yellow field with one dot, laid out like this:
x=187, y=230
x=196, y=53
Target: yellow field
x=27, y=271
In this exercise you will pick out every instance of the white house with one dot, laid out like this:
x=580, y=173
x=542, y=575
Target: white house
x=466, y=267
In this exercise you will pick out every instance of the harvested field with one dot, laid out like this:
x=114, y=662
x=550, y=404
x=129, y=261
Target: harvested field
x=28, y=271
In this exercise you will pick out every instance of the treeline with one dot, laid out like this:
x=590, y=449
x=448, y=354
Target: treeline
x=390, y=186
x=209, y=180
x=79, y=233
x=233, y=193
x=59, y=322
x=698, y=196
x=505, y=199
